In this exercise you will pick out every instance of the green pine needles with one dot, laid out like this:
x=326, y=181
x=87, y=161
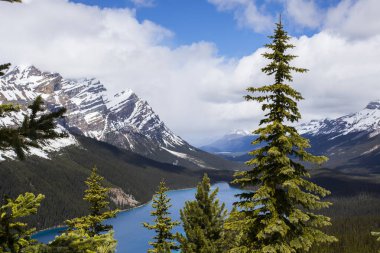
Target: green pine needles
x=96, y=195
x=278, y=216
x=4, y=67
x=15, y=236
x=37, y=126
x=164, y=239
x=203, y=220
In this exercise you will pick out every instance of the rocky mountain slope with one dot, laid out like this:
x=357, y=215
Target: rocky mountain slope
x=365, y=121
x=122, y=119
x=352, y=142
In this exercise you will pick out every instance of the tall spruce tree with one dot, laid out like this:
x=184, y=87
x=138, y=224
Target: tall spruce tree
x=15, y=236
x=278, y=216
x=163, y=224
x=203, y=221
x=96, y=195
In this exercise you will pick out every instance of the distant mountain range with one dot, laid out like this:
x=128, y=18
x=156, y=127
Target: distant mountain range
x=233, y=146
x=352, y=142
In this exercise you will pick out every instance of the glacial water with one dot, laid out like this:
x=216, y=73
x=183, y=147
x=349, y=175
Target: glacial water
x=129, y=232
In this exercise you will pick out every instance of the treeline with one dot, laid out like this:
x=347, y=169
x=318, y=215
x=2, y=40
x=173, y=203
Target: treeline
x=354, y=218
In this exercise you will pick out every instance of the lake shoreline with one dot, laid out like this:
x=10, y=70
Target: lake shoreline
x=135, y=207
x=127, y=225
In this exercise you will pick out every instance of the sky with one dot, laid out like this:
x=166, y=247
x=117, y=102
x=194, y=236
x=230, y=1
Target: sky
x=193, y=59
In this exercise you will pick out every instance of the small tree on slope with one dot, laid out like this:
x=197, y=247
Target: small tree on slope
x=163, y=224
x=86, y=234
x=203, y=221
x=278, y=216
x=96, y=196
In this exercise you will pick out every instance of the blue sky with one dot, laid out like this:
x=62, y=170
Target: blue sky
x=199, y=20
x=193, y=21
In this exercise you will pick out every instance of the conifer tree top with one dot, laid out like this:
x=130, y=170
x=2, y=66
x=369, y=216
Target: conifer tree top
x=97, y=196
x=163, y=224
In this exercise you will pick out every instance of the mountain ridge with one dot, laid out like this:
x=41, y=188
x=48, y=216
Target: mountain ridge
x=122, y=119
x=352, y=141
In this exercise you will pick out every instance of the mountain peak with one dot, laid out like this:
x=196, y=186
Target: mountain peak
x=240, y=132
x=374, y=105
x=123, y=119
x=25, y=71
x=366, y=120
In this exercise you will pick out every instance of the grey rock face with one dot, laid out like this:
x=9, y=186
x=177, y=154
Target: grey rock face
x=123, y=119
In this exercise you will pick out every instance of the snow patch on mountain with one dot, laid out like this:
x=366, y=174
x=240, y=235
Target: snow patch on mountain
x=188, y=157
x=47, y=147
x=122, y=119
x=240, y=132
x=366, y=120
x=371, y=150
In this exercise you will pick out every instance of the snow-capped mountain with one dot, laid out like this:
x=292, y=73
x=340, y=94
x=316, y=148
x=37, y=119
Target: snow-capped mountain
x=122, y=119
x=90, y=110
x=350, y=141
x=366, y=120
x=233, y=146
x=239, y=132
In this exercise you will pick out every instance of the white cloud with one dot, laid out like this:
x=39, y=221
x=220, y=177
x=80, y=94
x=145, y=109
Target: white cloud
x=304, y=13
x=343, y=74
x=246, y=13
x=195, y=91
x=354, y=19
x=110, y=44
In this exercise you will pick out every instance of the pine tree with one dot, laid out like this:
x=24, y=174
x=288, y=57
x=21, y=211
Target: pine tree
x=231, y=237
x=14, y=234
x=79, y=242
x=164, y=238
x=96, y=195
x=203, y=221
x=36, y=127
x=278, y=216
x=3, y=68
x=41, y=127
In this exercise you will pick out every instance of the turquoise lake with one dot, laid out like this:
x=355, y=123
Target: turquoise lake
x=129, y=232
